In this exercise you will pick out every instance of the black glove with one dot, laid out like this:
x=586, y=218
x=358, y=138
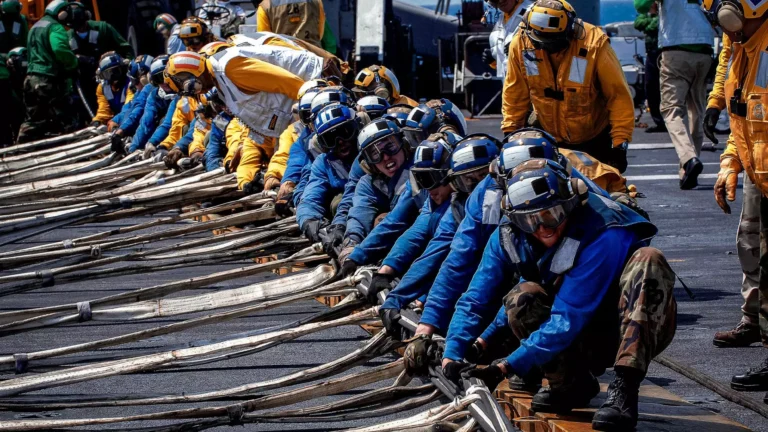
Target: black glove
x=491, y=376
x=453, y=370
x=332, y=239
x=349, y=267
x=711, y=116
x=474, y=352
x=284, y=207
x=379, y=283
x=311, y=230
x=254, y=186
x=117, y=143
x=488, y=57
x=391, y=320
x=618, y=157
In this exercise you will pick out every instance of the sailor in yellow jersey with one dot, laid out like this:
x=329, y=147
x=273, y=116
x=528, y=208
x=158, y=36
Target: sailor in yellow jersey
x=746, y=91
x=568, y=71
x=303, y=19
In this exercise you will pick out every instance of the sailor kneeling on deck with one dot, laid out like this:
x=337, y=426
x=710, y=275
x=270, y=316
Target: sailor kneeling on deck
x=571, y=257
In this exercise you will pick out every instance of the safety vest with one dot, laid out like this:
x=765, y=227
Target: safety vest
x=682, y=23
x=87, y=45
x=260, y=38
x=746, y=93
x=569, y=103
x=298, y=18
x=502, y=33
x=10, y=33
x=115, y=101
x=585, y=224
x=265, y=113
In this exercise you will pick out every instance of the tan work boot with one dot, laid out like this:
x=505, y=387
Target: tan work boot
x=745, y=334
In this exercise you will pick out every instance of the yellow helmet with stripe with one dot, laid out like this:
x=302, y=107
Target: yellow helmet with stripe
x=550, y=24
x=731, y=14
x=183, y=72
x=314, y=83
x=378, y=81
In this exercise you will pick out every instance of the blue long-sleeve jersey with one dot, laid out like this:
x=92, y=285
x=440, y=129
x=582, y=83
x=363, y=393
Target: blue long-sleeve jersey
x=154, y=110
x=162, y=131
x=342, y=211
x=133, y=111
x=327, y=178
x=482, y=216
x=216, y=149
x=420, y=273
x=297, y=159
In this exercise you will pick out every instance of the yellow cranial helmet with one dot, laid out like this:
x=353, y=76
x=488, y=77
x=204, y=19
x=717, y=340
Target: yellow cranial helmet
x=379, y=81
x=549, y=24
x=183, y=72
x=213, y=48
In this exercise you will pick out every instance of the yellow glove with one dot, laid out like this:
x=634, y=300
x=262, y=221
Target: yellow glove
x=727, y=179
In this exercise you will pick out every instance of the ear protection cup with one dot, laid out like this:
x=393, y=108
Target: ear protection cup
x=363, y=118
x=580, y=189
x=63, y=15
x=366, y=169
x=730, y=17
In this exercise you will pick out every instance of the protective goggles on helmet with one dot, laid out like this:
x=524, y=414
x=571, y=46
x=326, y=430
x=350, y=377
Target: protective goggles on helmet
x=194, y=41
x=549, y=218
x=430, y=178
x=343, y=133
x=184, y=83
x=414, y=136
x=467, y=180
x=390, y=146
x=113, y=74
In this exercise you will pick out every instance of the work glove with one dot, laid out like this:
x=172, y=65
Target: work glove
x=256, y=185
x=159, y=155
x=284, y=206
x=454, y=369
x=149, y=149
x=379, y=283
x=727, y=180
x=196, y=158
x=629, y=201
x=474, y=352
x=173, y=157
x=311, y=230
x=619, y=156
x=488, y=57
x=95, y=124
x=332, y=239
x=491, y=376
x=711, y=116
x=271, y=183
x=420, y=353
x=391, y=320
x=112, y=126
x=348, y=268
x=116, y=142
x=331, y=67
x=286, y=187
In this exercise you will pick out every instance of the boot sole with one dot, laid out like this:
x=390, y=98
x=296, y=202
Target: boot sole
x=749, y=387
x=605, y=426
x=725, y=344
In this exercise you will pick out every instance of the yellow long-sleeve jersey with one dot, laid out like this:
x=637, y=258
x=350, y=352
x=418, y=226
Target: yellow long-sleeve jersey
x=279, y=161
x=717, y=95
x=104, y=111
x=254, y=156
x=182, y=117
x=202, y=128
x=576, y=93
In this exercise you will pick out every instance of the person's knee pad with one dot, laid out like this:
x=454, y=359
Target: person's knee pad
x=527, y=307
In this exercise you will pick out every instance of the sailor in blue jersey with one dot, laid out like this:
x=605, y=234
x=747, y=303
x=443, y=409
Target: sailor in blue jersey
x=562, y=263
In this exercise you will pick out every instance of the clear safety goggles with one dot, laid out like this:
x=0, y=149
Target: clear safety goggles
x=429, y=178
x=112, y=74
x=466, y=181
x=338, y=135
x=414, y=136
x=196, y=41
x=389, y=146
x=550, y=218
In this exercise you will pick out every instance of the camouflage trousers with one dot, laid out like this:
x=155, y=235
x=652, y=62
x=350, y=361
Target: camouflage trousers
x=50, y=109
x=763, y=283
x=641, y=328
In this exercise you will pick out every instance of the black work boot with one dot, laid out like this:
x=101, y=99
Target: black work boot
x=619, y=412
x=530, y=382
x=691, y=169
x=755, y=379
x=744, y=335
x=562, y=399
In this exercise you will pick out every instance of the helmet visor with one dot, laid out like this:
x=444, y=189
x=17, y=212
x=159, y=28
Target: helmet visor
x=466, y=181
x=429, y=178
x=330, y=139
x=389, y=146
x=548, y=218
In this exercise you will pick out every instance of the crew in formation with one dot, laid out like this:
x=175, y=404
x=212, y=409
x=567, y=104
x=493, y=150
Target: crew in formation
x=529, y=253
